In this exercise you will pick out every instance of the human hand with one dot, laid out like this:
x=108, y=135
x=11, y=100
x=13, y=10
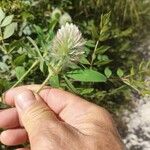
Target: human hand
x=56, y=120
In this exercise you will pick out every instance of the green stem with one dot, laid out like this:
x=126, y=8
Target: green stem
x=132, y=86
x=45, y=81
x=93, y=55
x=36, y=47
x=52, y=72
x=26, y=73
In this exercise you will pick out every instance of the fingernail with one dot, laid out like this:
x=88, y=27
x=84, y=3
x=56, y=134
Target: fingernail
x=25, y=100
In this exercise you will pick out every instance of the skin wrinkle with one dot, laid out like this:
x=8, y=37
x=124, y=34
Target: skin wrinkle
x=65, y=133
x=77, y=142
x=72, y=107
x=98, y=124
x=71, y=128
x=48, y=93
x=108, y=141
x=45, y=96
x=83, y=120
x=61, y=137
x=102, y=130
x=80, y=126
x=44, y=112
x=12, y=119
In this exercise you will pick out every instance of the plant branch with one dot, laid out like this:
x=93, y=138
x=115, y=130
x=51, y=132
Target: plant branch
x=93, y=55
x=44, y=83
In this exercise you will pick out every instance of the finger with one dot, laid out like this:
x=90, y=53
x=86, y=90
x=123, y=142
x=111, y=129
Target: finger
x=65, y=104
x=37, y=118
x=56, y=99
x=13, y=137
x=9, y=118
x=75, y=111
x=8, y=95
x=70, y=108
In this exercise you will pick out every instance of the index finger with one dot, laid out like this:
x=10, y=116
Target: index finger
x=56, y=99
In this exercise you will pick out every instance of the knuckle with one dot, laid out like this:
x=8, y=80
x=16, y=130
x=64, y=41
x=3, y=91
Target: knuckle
x=39, y=118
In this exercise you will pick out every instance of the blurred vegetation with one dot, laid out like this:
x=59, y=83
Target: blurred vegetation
x=111, y=28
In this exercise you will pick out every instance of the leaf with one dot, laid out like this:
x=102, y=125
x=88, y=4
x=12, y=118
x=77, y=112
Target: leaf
x=7, y=20
x=20, y=71
x=132, y=71
x=108, y=72
x=38, y=30
x=102, y=49
x=94, y=30
x=43, y=67
x=90, y=44
x=85, y=91
x=87, y=75
x=54, y=81
x=2, y=15
x=103, y=57
x=126, y=32
x=9, y=30
x=70, y=85
x=101, y=63
x=84, y=61
x=105, y=19
x=36, y=47
x=3, y=67
x=20, y=60
x=127, y=82
x=102, y=60
x=120, y=72
x=4, y=84
x=105, y=27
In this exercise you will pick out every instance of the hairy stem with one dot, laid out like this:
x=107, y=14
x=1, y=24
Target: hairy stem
x=44, y=83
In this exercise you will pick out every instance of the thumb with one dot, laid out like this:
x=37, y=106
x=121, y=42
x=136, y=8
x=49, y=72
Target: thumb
x=35, y=115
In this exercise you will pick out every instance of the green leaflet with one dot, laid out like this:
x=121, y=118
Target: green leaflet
x=9, y=30
x=108, y=72
x=7, y=20
x=87, y=75
x=20, y=71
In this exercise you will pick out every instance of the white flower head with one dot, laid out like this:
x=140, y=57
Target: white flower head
x=68, y=43
x=64, y=19
x=56, y=14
